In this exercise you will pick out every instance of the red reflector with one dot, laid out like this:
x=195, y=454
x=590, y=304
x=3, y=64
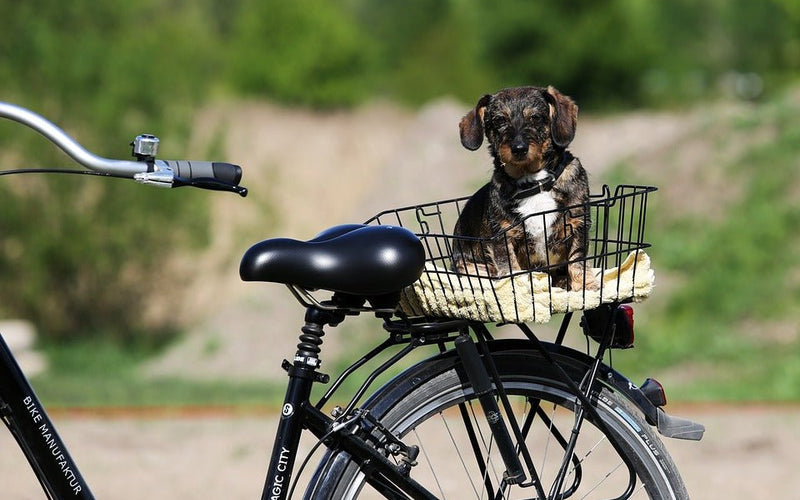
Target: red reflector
x=628, y=310
x=625, y=336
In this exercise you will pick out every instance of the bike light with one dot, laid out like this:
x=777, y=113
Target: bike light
x=610, y=319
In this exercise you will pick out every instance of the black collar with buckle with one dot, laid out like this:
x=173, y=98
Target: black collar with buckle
x=530, y=188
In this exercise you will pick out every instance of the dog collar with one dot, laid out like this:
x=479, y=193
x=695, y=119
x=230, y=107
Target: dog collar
x=530, y=188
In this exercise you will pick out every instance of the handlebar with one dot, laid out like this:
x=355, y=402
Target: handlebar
x=145, y=169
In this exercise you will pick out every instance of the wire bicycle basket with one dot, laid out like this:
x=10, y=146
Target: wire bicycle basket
x=454, y=286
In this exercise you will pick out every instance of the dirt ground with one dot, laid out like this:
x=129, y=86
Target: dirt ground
x=748, y=453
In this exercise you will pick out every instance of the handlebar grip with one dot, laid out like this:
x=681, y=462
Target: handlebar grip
x=224, y=172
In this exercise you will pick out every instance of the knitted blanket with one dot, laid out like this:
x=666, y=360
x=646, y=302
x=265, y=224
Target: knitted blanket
x=522, y=297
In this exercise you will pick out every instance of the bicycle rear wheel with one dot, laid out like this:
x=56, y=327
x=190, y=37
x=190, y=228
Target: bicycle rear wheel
x=431, y=406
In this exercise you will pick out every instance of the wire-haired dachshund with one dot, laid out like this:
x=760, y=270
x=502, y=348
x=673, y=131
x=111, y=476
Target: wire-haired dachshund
x=533, y=213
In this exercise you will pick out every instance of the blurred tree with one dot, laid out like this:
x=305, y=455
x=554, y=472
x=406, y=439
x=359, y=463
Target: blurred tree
x=308, y=52
x=426, y=48
x=710, y=46
x=595, y=51
x=84, y=256
x=762, y=37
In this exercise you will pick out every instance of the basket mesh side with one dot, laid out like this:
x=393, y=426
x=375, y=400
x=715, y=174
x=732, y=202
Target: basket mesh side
x=615, y=256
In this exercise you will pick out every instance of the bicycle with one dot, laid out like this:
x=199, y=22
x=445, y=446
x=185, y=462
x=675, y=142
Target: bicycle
x=521, y=417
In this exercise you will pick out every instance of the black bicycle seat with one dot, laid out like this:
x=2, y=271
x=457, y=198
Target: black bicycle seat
x=354, y=259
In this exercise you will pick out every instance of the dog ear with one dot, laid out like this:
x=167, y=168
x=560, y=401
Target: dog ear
x=564, y=116
x=471, y=126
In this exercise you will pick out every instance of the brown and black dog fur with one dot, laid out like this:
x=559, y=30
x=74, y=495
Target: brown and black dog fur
x=528, y=130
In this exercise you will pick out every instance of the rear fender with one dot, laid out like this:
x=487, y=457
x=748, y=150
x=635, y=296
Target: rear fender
x=574, y=362
x=667, y=425
x=606, y=375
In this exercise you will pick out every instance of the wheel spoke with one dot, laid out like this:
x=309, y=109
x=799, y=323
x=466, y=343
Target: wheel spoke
x=586, y=455
x=430, y=464
x=477, y=450
x=487, y=452
x=549, y=436
x=597, y=485
x=455, y=441
x=460, y=457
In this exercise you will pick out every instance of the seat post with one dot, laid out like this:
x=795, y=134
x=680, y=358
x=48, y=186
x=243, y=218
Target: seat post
x=302, y=375
x=308, y=348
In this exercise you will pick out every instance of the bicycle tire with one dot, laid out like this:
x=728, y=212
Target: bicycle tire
x=431, y=392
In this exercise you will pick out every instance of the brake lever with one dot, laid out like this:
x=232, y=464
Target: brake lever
x=209, y=183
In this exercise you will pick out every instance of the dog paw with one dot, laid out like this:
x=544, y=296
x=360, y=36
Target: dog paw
x=582, y=278
x=472, y=268
x=590, y=284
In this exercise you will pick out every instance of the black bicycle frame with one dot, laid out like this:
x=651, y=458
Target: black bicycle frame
x=298, y=412
x=27, y=420
x=380, y=472
x=25, y=417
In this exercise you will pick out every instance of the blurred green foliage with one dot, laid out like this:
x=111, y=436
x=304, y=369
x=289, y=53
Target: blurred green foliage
x=306, y=51
x=82, y=256
x=607, y=54
x=87, y=60
x=735, y=308
x=103, y=373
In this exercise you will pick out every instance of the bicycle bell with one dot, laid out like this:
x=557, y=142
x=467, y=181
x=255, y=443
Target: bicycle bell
x=145, y=147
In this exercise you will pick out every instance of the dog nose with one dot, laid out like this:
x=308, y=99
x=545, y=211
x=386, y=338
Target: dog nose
x=519, y=148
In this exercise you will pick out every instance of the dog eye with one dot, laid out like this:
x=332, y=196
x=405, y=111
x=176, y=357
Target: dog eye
x=537, y=120
x=499, y=124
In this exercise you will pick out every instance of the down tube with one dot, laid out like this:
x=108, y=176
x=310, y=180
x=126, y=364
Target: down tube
x=25, y=417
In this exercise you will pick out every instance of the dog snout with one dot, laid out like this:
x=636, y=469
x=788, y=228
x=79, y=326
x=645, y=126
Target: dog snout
x=519, y=147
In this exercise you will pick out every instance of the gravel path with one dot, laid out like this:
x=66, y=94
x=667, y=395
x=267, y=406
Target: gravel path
x=749, y=452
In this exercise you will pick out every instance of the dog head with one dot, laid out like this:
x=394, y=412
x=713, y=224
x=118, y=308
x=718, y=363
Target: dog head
x=526, y=127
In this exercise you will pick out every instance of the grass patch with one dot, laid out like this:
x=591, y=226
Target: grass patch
x=736, y=280
x=106, y=374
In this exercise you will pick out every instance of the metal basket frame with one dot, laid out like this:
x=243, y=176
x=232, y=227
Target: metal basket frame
x=616, y=219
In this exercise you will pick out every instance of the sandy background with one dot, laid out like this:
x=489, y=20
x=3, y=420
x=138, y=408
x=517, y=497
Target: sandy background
x=749, y=452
